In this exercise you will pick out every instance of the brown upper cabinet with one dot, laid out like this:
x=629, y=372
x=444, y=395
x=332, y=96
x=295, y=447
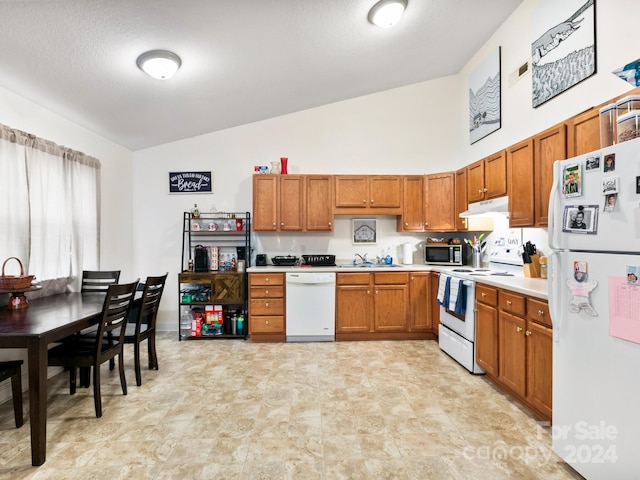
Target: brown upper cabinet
x=368, y=194
x=319, y=203
x=292, y=203
x=461, y=199
x=278, y=202
x=583, y=134
x=440, y=207
x=549, y=146
x=520, y=180
x=265, y=202
x=487, y=178
x=413, y=203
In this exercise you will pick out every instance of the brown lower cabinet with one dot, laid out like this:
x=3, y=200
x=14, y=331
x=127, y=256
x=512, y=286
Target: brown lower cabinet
x=267, y=307
x=377, y=306
x=514, y=345
x=434, y=278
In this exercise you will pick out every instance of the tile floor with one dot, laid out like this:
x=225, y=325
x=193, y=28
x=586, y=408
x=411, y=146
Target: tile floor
x=230, y=409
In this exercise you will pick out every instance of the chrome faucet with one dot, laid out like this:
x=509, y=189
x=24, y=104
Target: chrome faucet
x=363, y=258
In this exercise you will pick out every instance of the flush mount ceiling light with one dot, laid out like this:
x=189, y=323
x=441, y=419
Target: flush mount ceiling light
x=386, y=13
x=160, y=64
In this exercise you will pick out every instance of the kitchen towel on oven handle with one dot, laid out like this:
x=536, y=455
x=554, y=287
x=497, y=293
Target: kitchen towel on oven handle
x=444, y=286
x=458, y=297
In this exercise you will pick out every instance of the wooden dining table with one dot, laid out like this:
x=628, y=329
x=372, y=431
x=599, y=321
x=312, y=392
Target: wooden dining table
x=45, y=321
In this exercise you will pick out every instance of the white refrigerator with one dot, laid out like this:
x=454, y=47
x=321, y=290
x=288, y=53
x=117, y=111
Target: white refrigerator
x=594, y=299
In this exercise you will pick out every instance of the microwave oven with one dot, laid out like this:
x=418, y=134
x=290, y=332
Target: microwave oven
x=440, y=254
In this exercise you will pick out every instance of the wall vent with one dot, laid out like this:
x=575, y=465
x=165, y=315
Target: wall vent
x=520, y=72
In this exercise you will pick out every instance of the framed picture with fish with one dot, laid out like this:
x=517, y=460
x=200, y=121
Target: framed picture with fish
x=563, y=52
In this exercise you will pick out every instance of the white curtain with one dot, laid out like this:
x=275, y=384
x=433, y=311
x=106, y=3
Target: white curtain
x=49, y=209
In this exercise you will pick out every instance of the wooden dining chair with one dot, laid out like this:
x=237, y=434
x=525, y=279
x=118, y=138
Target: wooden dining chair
x=12, y=369
x=98, y=280
x=143, y=324
x=85, y=352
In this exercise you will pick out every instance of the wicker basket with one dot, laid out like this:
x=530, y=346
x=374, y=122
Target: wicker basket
x=10, y=282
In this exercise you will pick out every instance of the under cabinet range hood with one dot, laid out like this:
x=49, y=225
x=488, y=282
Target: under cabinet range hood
x=487, y=208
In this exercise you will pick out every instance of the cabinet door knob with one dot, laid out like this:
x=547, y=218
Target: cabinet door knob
x=483, y=294
x=406, y=224
x=266, y=292
x=329, y=223
x=266, y=322
x=266, y=279
x=426, y=224
x=376, y=292
x=508, y=302
x=527, y=333
x=282, y=224
x=368, y=292
x=274, y=224
x=484, y=190
x=479, y=190
x=364, y=201
x=266, y=304
x=540, y=313
x=518, y=329
x=371, y=201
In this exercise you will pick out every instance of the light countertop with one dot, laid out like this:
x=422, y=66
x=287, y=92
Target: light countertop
x=535, y=287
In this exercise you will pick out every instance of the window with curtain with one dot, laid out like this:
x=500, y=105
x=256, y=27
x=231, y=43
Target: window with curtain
x=49, y=210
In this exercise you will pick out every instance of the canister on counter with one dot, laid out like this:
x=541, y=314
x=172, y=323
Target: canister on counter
x=628, y=126
x=608, y=123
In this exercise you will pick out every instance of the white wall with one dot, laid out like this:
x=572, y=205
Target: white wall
x=614, y=48
x=404, y=130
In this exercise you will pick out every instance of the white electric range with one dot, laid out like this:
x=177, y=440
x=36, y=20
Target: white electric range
x=457, y=330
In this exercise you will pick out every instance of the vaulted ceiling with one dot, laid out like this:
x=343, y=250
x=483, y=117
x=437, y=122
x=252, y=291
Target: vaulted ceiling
x=242, y=60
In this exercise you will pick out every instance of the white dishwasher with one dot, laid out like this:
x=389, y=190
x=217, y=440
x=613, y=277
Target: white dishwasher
x=311, y=306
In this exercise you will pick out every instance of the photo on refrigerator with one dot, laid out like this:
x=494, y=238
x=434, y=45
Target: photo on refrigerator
x=580, y=219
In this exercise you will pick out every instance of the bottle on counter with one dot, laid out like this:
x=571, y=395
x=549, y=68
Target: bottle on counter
x=240, y=325
x=185, y=323
x=234, y=324
x=195, y=211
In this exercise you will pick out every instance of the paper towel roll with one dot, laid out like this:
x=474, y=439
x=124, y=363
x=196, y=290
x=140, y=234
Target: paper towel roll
x=407, y=254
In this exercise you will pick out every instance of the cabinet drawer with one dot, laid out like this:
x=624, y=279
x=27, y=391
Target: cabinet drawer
x=269, y=306
x=353, y=279
x=194, y=278
x=512, y=302
x=267, y=324
x=391, y=278
x=486, y=295
x=266, y=279
x=538, y=311
x=267, y=291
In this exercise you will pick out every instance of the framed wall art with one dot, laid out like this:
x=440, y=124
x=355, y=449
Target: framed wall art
x=484, y=98
x=364, y=231
x=563, y=52
x=190, y=182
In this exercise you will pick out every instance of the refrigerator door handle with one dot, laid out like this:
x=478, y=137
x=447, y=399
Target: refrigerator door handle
x=553, y=200
x=555, y=276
